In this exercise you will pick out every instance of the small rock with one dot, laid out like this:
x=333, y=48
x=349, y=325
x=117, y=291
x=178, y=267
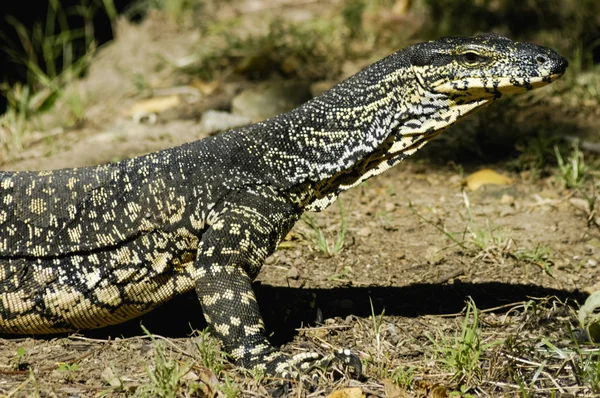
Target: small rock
x=191, y=376
x=364, y=231
x=507, y=211
x=507, y=199
x=213, y=122
x=298, y=262
x=394, y=336
x=389, y=206
x=110, y=378
x=434, y=255
x=146, y=348
x=270, y=99
x=580, y=204
x=293, y=273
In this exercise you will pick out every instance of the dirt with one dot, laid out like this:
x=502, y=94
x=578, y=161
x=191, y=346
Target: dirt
x=394, y=294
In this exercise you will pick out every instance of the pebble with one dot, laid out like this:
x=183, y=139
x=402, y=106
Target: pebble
x=213, y=122
x=270, y=99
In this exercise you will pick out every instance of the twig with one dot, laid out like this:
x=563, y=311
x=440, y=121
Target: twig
x=297, y=3
x=554, y=382
x=448, y=234
x=449, y=275
x=487, y=310
x=150, y=336
x=332, y=327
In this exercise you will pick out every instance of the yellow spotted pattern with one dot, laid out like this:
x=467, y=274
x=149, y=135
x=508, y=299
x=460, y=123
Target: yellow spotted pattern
x=89, y=247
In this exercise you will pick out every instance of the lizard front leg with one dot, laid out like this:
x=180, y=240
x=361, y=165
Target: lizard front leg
x=230, y=308
x=230, y=256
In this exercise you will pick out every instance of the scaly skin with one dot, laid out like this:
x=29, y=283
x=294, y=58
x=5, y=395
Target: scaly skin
x=90, y=247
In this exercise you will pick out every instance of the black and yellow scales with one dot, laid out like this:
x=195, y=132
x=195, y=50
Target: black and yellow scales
x=89, y=247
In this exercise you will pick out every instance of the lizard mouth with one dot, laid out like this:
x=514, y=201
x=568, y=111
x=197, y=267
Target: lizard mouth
x=543, y=81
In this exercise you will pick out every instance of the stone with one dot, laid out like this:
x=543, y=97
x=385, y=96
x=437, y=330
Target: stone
x=213, y=122
x=270, y=99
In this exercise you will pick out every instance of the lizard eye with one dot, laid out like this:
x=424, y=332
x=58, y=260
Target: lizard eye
x=471, y=58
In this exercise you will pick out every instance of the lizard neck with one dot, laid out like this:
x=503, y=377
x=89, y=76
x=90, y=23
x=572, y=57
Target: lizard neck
x=417, y=117
x=331, y=134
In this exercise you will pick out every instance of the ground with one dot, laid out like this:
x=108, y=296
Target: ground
x=439, y=289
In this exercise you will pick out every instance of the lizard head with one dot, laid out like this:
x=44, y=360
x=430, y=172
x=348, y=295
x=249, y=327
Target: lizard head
x=458, y=75
x=484, y=67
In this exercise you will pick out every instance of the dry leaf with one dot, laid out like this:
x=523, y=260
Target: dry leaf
x=293, y=273
x=392, y=390
x=581, y=204
x=431, y=390
x=507, y=199
x=485, y=177
x=190, y=376
x=109, y=377
x=153, y=105
x=353, y=392
x=206, y=88
x=209, y=380
x=439, y=392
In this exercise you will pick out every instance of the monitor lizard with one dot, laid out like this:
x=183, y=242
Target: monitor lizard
x=88, y=247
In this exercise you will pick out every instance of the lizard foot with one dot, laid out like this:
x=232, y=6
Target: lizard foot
x=304, y=368
x=297, y=367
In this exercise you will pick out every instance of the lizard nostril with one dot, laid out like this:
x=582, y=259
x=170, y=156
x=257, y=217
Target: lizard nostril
x=540, y=59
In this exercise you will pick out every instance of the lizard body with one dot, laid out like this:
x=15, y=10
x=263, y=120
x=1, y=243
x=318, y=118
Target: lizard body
x=89, y=247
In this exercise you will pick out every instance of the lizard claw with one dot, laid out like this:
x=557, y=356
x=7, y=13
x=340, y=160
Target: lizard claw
x=300, y=365
x=305, y=362
x=350, y=359
x=302, y=368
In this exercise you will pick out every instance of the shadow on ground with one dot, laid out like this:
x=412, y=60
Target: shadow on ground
x=494, y=134
x=286, y=309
